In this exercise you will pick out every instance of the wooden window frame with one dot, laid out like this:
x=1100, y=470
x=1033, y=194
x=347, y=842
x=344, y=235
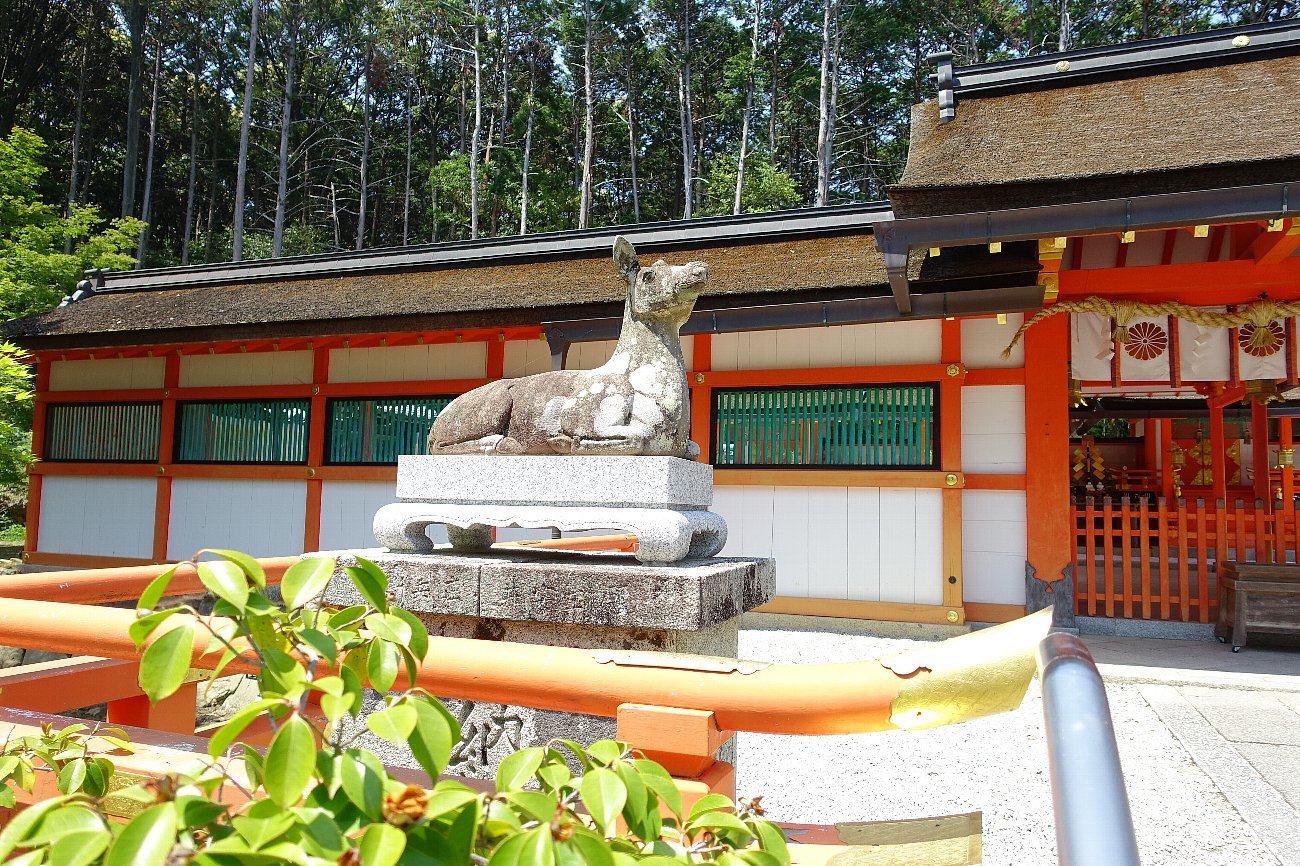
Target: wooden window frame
x=179, y=439
x=328, y=421
x=50, y=430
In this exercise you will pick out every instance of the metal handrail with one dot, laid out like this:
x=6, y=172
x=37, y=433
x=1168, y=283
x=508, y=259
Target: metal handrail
x=1094, y=826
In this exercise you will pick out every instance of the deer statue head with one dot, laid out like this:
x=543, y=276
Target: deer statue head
x=661, y=292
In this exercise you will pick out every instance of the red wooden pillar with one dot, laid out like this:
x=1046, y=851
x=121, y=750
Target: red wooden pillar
x=315, y=449
x=701, y=395
x=1218, y=453
x=39, y=407
x=1168, y=474
x=1049, y=534
x=1259, y=451
x=950, y=462
x=1284, y=443
x=162, y=510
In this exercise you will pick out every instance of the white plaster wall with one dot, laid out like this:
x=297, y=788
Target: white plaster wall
x=409, y=363
x=258, y=517
x=253, y=368
x=982, y=342
x=993, y=546
x=880, y=345
x=993, y=429
x=107, y=374
x=347, y=514
x=863, y=543
x=526, y=357
x=590, y=355
x=98, y=516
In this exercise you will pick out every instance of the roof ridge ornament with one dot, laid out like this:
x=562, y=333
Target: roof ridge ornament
x=947, y=85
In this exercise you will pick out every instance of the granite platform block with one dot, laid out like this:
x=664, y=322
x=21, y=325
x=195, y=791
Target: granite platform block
x=621, y=482
x=691, y=607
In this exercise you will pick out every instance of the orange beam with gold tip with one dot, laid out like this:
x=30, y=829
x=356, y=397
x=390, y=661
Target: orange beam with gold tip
x=103, y=585
x=973, y=675
x=1272, y=247
x=1204, y=283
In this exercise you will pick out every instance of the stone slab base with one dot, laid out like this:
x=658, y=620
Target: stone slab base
x=621, y=482
x=663, y=534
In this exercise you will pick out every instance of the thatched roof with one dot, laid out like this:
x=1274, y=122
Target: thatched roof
x=451, y=297
x=1189, y=129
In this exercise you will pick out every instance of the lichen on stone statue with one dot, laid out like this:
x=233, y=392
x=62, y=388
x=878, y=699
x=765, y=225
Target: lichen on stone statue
x=637, y=403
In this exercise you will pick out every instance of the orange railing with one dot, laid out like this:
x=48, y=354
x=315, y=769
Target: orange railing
x=1148, y=559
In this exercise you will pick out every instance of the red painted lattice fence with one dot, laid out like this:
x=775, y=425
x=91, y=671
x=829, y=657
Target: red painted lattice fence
x=1142, y=558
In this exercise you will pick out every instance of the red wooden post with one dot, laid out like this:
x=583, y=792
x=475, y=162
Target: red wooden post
x=1218, y=453
x=1220, y=555
x=1184, y=555
x=1259, y=448
x=173, y=714
x=1144, y=552
x=1090, y=554
x=1162, y=556
x=1047, y=453
x=1202, y=554
x=1126, y=555
x=1108, y=551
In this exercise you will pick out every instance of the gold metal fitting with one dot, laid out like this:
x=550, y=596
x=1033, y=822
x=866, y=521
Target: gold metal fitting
x=953, y=616
x=460, y=338
x=953, y=369
x=167, y=392
x=27, y=557
x=1286, y=458
x=1275, y=225
x=162, y=470
x=967, y=677
x=995, y=246
x=935, y=252
x=951, y=479
x=1002, y=318
x=1201, y=231
x=699, y=378
x=315, y=389
x=1128, y=237
x=311, y=473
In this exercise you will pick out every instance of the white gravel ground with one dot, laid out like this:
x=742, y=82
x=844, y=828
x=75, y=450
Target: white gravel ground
x=997, y=766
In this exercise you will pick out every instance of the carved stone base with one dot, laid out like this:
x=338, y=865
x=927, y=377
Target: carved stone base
x=663, y=534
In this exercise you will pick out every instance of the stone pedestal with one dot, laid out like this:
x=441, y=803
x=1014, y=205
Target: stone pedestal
x=691, y=607
x=662, y=500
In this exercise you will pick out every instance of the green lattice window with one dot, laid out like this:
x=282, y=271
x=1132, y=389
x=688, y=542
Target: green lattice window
x=103, y=432
x=242, y=431
x=863, y=426
x=375, y=431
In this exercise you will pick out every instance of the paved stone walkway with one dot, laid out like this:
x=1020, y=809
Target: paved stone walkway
x=1210, y=750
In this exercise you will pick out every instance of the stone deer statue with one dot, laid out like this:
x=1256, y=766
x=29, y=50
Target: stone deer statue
x=637, y=403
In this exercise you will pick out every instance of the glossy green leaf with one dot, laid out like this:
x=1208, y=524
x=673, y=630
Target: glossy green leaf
x=393, y=724
x=225, y=580
x=593, y=850
x=305, y=580
x=347, y=616
x=352, y=685
x=710, y=803
x=71, y=777
x=381, y=845
x=419, y=640
x=147, y=840
x=718, y=822
x=532, y=848
x=79, y=848
x=25, y=822
x=321, y=643
x=517, y=770
x=198, y=811
x=605, y=751
x=432, y=737
x=165, y=663
x=753, y=857
x=389, y=627
x=381, y=666
x=771, y=838
x=290, y=761
x=371, y=582
x=248, y=564
x=534, y=804
x=658, y=780
x=604, y=794
x=153, y=593
x=639, y=803
x=449, y=800
x=362, y=785
x=144, y=626
x=61, y=822
x=335, y=707
x=227, y=733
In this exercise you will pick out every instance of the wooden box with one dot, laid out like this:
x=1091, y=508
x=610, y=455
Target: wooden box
x=1257, y=597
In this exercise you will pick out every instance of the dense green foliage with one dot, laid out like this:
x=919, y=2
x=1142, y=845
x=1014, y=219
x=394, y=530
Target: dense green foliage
x=315, y=799
x=380, y=91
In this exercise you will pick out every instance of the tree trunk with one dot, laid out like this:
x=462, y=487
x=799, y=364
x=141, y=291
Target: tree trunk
x=824, y=121
x=686, y=116
x=365, y=151
x=135, y=22
x=528, y=143
x=588, y=121
x=76, y=140
x=191, y=184
x=406, y=193
x=286, y=121
x=771, y=109
x=1063, y=41
x=241, y=171
x=749, y=105
x=334, y=215
x=478, y=129
x=631, y=151
x=146, y=213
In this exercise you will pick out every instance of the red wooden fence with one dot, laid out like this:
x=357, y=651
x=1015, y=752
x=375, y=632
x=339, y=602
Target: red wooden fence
x=1141, y=558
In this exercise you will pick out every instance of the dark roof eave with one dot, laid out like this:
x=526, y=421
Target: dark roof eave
x=518, y=249
x=1135, y=213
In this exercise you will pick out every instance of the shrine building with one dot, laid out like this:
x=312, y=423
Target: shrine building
x=1053, y=368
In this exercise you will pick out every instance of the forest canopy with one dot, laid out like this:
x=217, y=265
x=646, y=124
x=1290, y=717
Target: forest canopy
x=258, y=128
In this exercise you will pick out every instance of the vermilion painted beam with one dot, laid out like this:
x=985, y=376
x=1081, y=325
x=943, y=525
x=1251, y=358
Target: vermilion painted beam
x=1235, y=282
x=918, y=478
x=269, y=392
x=1270, y=248
x=825, y=376
x=995, y=482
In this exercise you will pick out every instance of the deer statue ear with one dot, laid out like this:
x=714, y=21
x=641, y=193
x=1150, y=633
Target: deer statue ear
x=625, y=257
